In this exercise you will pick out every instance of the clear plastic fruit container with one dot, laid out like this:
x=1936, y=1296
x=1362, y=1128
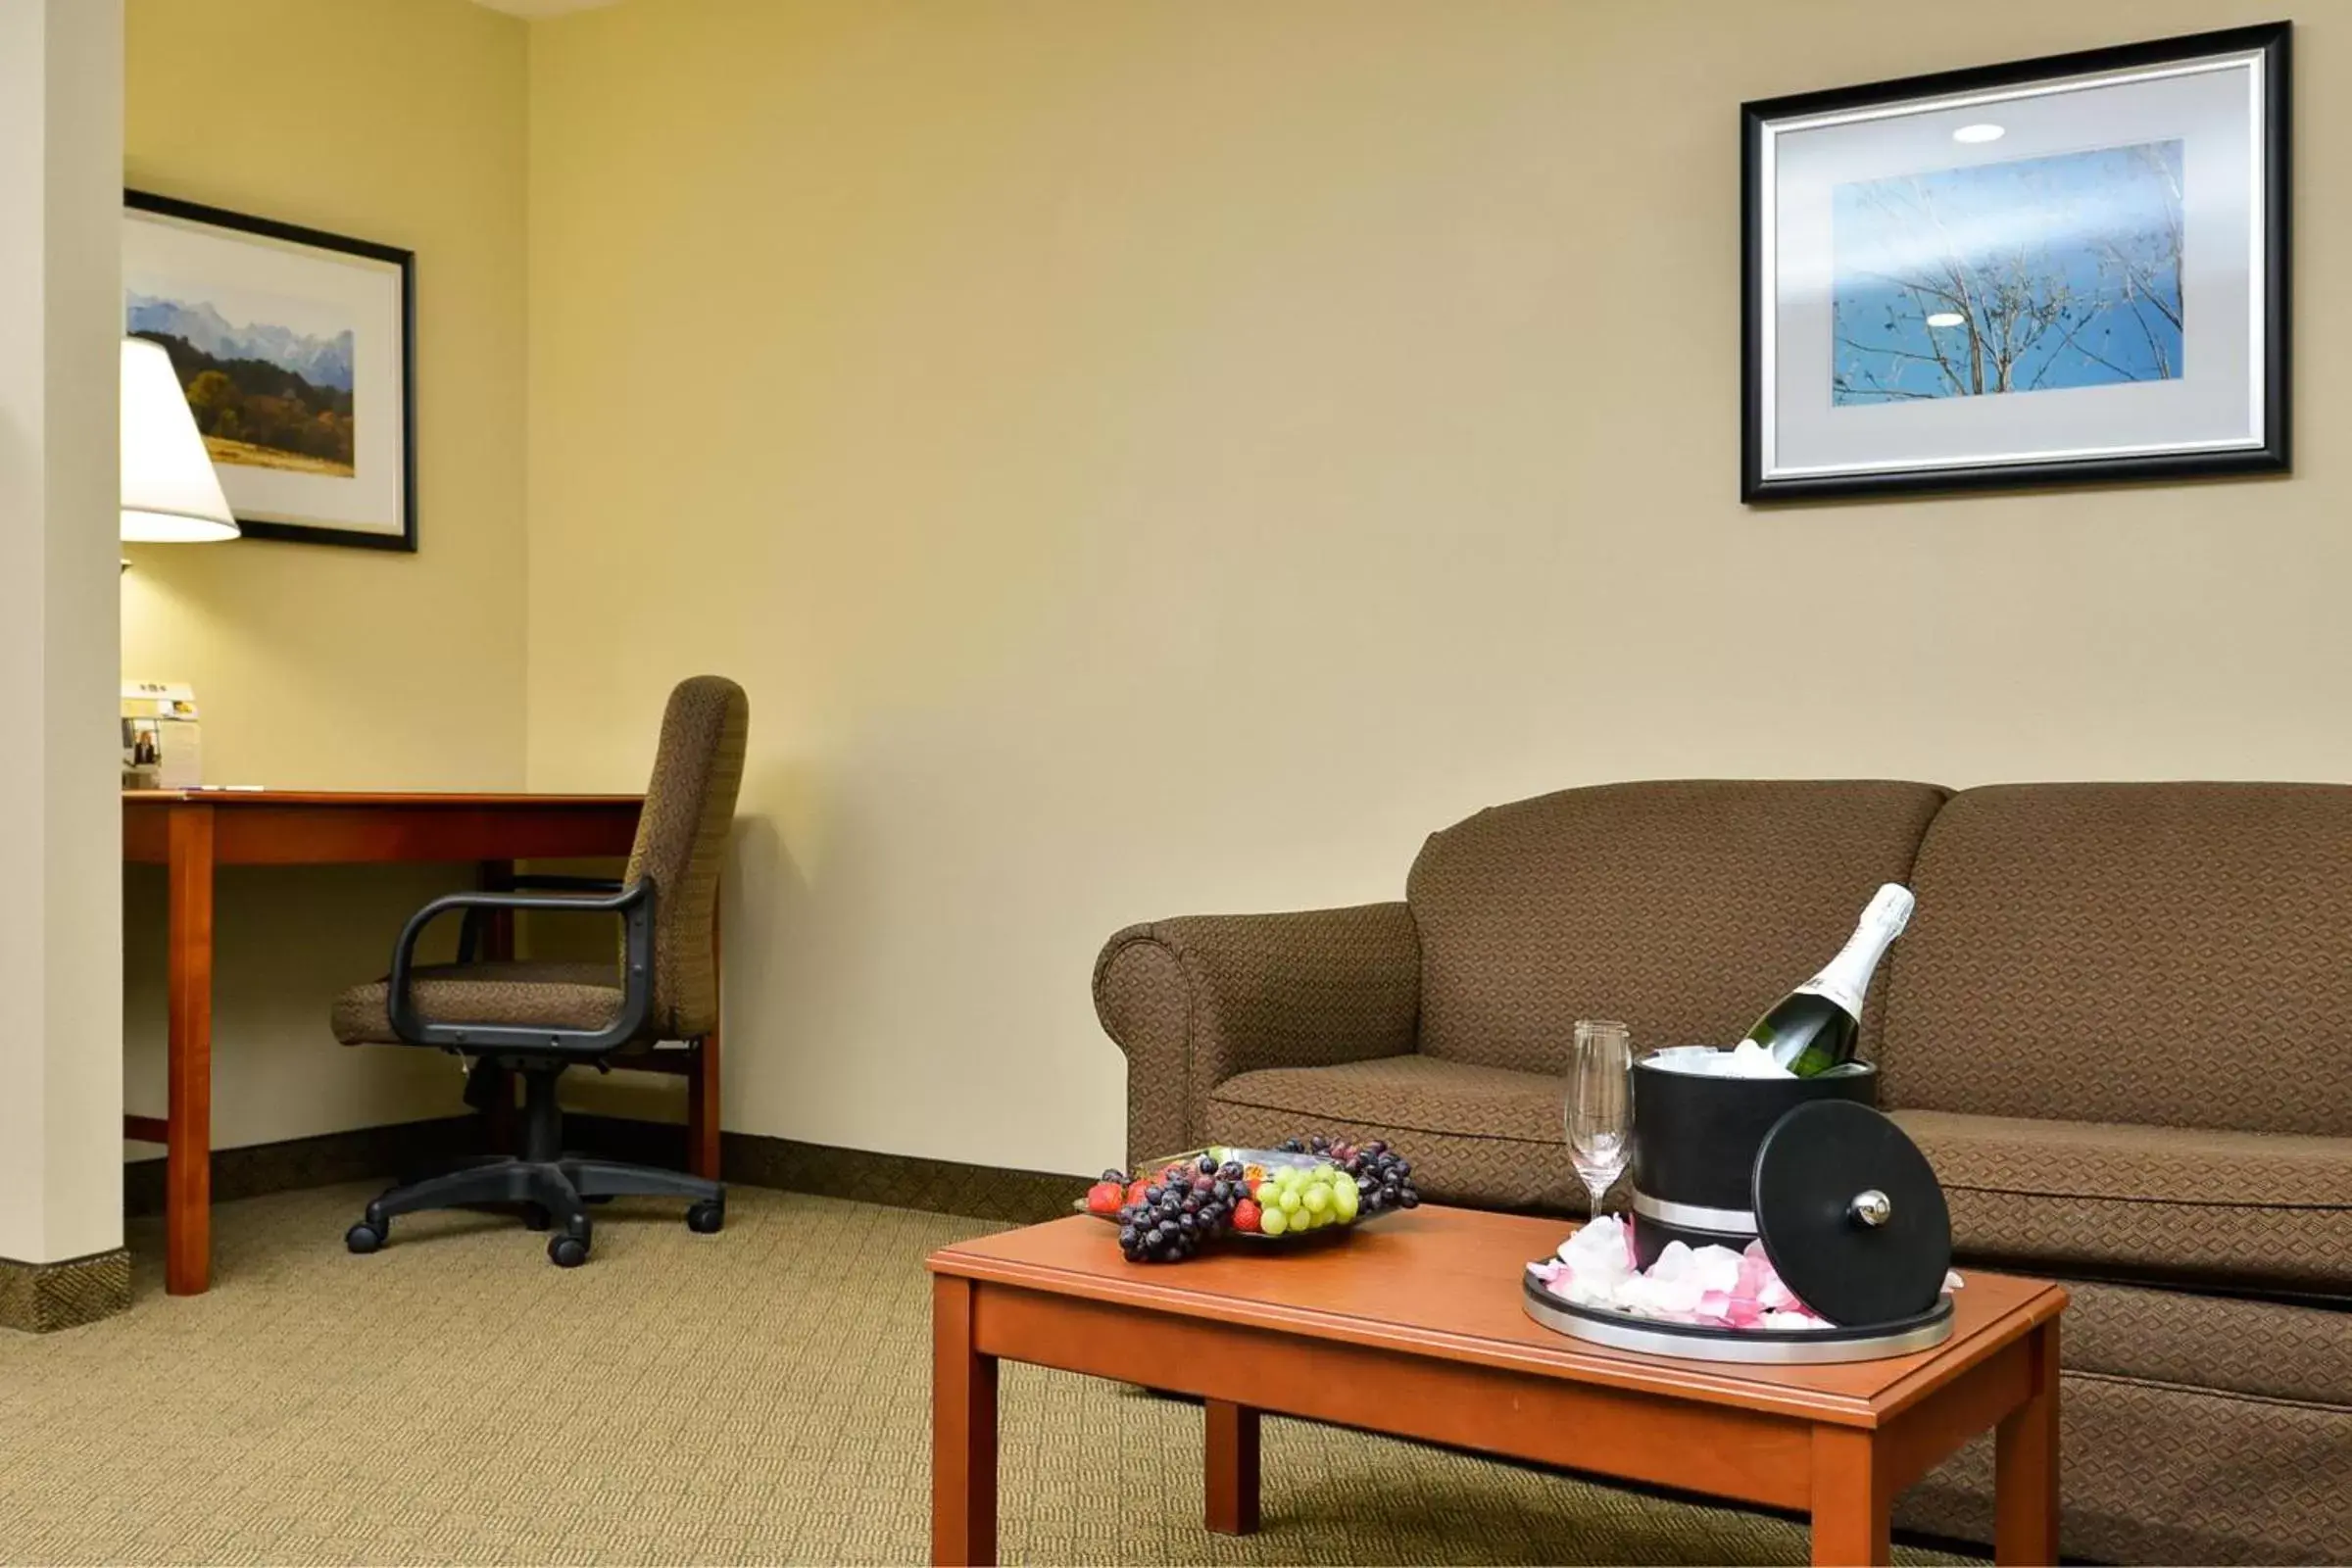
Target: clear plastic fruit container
x=1326, y=1214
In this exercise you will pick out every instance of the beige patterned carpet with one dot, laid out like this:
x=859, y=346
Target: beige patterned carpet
x=756, y=1396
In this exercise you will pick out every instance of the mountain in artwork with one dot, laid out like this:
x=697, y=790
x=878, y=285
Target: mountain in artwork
x=321, y=360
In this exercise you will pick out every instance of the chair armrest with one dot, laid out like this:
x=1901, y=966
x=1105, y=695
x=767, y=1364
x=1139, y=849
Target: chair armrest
x=551, y=881
x=633, y=904
x=1198, y=1000
x=470, y=934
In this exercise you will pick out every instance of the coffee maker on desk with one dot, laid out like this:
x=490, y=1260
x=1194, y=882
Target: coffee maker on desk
x=163, y=743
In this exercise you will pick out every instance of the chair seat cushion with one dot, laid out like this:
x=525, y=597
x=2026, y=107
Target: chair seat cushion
x=2165, y=1204
x=527, y=993
x=1484, y=1136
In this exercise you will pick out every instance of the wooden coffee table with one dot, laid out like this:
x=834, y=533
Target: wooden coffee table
x=1412, y=1326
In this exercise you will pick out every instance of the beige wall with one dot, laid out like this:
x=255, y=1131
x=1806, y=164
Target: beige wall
x=399, y=121
x=60, y=913
x=1157, y=457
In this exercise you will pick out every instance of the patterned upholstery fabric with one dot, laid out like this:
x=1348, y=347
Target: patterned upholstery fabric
x=2158, y=1472
x=2169, y=955
x=1196, y=1001
x=1682, y=909
x=682, y=840
x=559, y=996
x=2155, y=1202
x=2235, y=1345
x=1485, y=1137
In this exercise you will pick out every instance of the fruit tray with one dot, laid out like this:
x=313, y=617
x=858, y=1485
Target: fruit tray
x=1169, y=1209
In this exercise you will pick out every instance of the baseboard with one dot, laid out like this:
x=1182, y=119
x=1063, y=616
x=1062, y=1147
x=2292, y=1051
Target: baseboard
x=361, y=1155
x=43, y=1298
x=899, y=1181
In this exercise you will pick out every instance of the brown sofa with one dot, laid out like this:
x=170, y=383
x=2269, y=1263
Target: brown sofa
x=2119, y=1024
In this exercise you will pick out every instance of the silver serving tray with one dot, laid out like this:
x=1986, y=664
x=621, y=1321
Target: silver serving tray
x=1695, y=1342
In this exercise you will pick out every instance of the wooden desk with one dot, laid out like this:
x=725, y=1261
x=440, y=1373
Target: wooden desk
x=190, y=832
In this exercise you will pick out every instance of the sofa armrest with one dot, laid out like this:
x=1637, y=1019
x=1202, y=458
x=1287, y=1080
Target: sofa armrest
x=1197, y=1000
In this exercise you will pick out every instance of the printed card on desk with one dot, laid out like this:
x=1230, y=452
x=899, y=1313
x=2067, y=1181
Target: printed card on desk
x=163, y=743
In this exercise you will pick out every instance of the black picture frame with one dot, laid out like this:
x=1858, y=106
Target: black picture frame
x=320, y=240
x=2272, y=41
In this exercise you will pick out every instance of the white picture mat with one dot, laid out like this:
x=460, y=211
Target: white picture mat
x=306, y=289
x=2212, y=107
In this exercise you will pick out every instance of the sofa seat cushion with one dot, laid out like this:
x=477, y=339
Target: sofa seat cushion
x=2238, y=1345
x=1487, y=1137
x=2252, y=1209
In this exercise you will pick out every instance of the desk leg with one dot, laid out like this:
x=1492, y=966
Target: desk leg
x=701, y=1081
x=963, y=1429
x=2025, y=1465
x=189, y=1153
x=1852, y=1500
x=1231, y=1489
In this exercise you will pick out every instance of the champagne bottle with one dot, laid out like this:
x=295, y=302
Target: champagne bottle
x=1814, y=1027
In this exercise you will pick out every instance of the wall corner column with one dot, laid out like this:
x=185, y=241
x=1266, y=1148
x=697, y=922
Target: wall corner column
x=61, y=1260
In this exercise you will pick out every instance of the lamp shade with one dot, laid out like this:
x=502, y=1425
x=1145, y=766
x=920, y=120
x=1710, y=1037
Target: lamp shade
x=169, y=492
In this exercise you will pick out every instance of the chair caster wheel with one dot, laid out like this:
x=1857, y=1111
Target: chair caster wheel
x=567, y=1250
x=535, y=1218
x=705, y=1219
x=362, y=1237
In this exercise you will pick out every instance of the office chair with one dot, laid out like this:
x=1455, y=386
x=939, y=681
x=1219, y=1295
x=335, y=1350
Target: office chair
x=536, y=1018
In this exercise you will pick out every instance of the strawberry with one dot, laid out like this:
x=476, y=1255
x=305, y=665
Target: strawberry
x=1135, y=1189
x=1104, y=1197
x=1244, y=1215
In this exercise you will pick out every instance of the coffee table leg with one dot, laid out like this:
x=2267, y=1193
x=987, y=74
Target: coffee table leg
x=964, y=1431
x=1851, y=1497
x=2025, y=1465
x=1232, y=1470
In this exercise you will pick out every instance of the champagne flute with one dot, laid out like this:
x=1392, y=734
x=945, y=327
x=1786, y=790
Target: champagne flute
x=1601, y=1106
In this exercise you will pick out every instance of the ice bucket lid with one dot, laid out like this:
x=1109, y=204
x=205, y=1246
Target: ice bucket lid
x=1850, y=1213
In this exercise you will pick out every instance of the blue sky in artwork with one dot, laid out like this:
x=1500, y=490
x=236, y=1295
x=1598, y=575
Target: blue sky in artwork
x=2033, y=274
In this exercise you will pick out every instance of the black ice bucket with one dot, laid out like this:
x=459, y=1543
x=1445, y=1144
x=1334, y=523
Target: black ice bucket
x=1847, y=1209
x=1694, y=1149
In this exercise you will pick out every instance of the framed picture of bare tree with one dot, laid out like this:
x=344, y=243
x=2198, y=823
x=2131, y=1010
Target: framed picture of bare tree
x=2061, y=271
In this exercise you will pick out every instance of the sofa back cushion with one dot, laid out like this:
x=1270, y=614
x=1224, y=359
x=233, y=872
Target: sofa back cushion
x=2172, y=954
x=1684, y=909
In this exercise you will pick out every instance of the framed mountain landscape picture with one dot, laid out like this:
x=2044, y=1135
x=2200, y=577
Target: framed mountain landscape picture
x=2060, y=271
x=295, y=350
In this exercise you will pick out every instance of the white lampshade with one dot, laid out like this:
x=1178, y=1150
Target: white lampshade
x=169, y=492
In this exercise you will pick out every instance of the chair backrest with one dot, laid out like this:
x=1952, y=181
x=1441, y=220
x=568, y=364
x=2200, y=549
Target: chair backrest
x=2167, y=954
x=1682, y=909
x=681, y=840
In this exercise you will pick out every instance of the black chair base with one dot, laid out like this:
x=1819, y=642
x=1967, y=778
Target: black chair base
x=554, y=1189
